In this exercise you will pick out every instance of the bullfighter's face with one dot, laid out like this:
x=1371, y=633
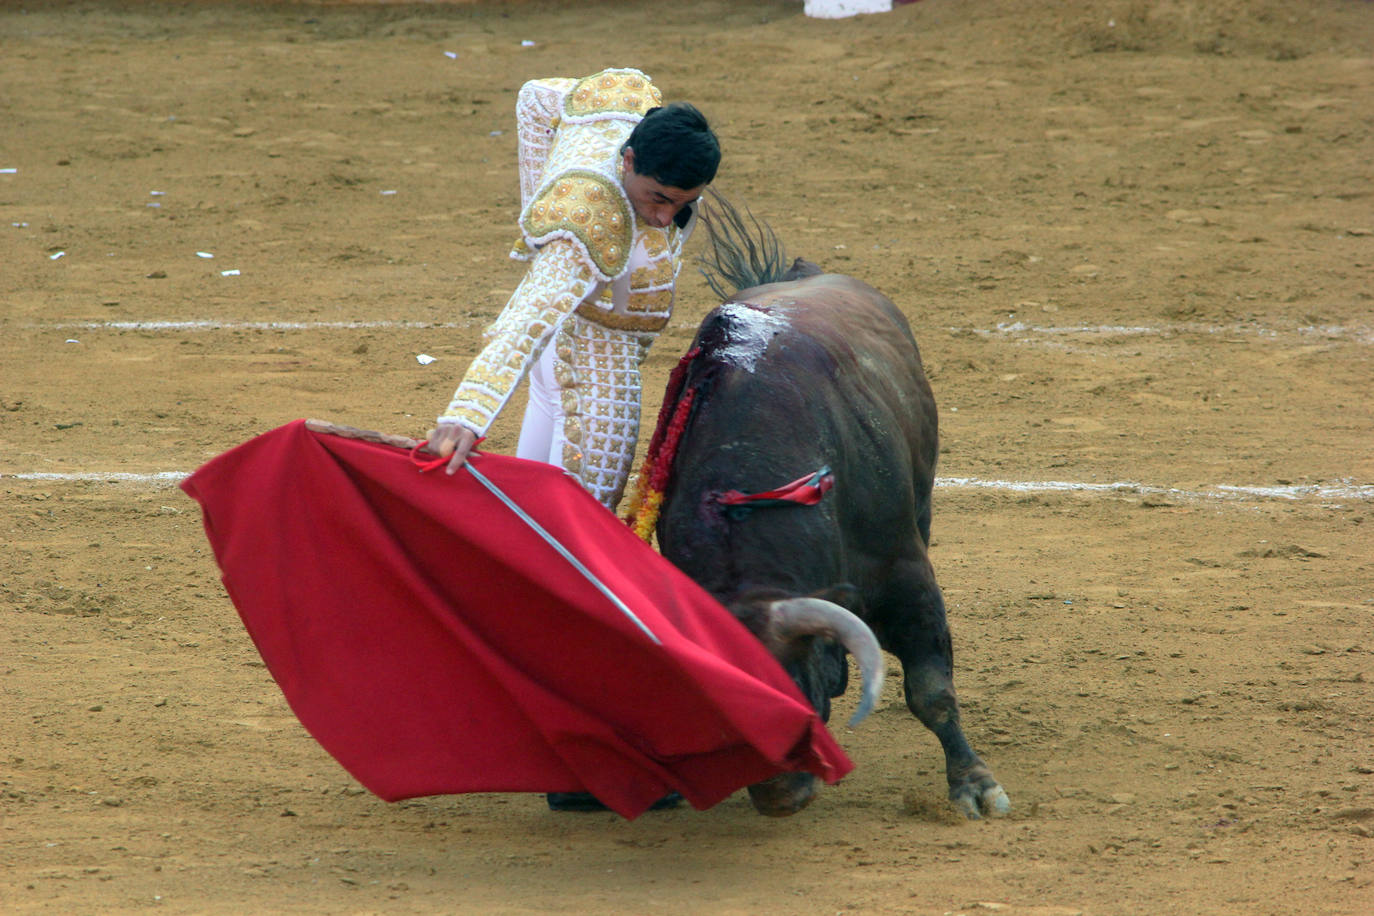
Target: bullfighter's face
x=655, y=203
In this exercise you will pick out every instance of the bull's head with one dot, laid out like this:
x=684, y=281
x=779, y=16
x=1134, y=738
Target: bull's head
x=809, y=637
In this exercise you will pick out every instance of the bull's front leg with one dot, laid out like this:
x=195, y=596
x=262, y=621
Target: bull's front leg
x=917, y=632
x=972, y=787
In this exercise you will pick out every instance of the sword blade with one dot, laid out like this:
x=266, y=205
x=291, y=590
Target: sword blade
x=564, y=551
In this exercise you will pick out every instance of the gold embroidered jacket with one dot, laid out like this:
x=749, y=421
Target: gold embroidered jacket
x=578, y=231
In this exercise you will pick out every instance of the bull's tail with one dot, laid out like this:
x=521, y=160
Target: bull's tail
x=741, y=256
x=745, y=252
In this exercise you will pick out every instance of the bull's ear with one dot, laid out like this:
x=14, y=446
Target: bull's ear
x=845, y=595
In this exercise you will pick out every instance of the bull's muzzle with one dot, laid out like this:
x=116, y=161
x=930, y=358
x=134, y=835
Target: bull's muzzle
x=784, y=794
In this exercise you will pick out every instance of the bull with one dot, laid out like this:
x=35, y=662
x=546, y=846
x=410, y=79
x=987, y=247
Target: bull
x=804, y=371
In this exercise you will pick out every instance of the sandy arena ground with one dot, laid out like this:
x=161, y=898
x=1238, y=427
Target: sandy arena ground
x=1134, y=239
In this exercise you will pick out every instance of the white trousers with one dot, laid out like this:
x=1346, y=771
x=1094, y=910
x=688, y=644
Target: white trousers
x=541, y=432
x=583, y=408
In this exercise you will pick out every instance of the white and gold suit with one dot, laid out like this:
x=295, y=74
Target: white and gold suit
x=599, y=287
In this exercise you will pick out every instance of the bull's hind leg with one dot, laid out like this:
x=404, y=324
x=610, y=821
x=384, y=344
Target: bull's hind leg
x=915, y=630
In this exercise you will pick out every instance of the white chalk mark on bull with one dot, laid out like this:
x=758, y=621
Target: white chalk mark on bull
x=750, y=330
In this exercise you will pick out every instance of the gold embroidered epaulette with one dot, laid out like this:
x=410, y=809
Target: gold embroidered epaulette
x=622, y=92
x=589, y=208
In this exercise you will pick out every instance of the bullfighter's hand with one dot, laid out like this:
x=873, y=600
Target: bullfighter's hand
x=452, y=439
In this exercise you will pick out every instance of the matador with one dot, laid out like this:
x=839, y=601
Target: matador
x=609, y=184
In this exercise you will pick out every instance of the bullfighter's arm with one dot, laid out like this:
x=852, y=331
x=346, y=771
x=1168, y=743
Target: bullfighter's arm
x=537, y=112
x=557, y=280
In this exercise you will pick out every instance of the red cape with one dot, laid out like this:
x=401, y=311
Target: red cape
x=433, y=643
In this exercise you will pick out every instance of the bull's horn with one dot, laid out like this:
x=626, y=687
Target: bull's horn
x=795, y=617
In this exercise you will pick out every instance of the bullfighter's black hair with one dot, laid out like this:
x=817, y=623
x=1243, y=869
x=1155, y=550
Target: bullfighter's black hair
x=675, y=146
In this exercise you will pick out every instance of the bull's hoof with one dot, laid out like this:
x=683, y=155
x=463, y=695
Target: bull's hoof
x=984, y=797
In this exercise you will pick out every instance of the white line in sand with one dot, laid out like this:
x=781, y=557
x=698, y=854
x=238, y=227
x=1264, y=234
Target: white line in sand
x=1344, y=490
x=1292, y=492
x=208, y=325
x=1359, y=334
x=1015, y=329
